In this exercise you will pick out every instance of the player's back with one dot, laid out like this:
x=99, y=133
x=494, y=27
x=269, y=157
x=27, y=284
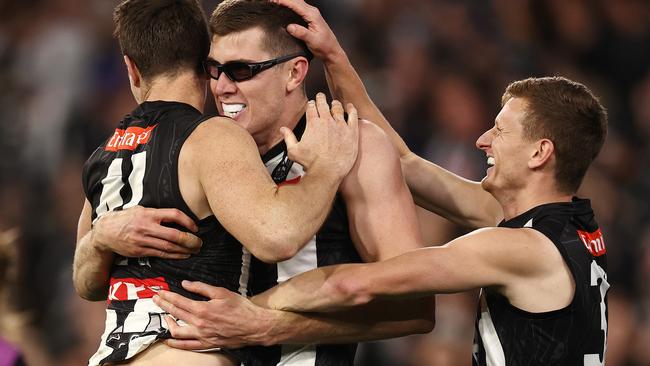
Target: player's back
x=138, y=165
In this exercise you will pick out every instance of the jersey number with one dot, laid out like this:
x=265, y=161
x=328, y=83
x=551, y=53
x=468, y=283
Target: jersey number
x=113, y=183
x=599, y=279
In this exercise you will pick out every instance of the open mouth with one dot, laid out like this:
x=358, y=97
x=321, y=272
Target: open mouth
x=232, y=110
x=490, y=161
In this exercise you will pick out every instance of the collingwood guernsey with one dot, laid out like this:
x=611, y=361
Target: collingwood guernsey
x=138, y=165
x=574, y=335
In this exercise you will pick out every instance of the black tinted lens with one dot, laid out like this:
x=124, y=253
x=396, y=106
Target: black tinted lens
x=238, y=71
x=212, y=68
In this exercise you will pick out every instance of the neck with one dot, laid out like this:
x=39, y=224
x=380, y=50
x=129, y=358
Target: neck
x=521, y=200
x=185, y=87
x=289, y=118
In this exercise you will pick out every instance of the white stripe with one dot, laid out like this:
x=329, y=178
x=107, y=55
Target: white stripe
x=494, y=355
x=245, y=271
x=136, y=178
x=111, y=186
x=303, y=261
x=104, y=351
x=298, y=355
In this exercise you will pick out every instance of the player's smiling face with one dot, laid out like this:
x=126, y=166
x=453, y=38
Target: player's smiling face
x=506, y=149
x=255, y=104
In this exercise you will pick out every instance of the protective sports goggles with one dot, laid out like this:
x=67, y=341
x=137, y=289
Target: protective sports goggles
x=241, y=71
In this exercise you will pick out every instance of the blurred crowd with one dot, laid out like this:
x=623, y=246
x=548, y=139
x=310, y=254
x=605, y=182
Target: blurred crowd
x=436, y=68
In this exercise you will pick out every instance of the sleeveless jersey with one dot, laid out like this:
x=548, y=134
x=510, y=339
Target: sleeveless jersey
x=574, y=335
x=138, y=165
x=332, y=244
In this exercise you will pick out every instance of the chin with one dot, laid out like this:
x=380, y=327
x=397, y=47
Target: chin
x=487, y=185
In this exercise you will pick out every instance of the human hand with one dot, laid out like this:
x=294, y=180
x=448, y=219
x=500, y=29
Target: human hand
x=318, y=35
x=328, y=143
x=138, y=232
x=227, y=320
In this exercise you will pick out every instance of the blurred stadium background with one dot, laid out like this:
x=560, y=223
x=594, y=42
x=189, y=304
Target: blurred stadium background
x=437, y=70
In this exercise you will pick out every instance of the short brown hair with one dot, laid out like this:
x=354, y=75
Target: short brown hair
x=162, y=36
x=233, y=16
x=567, y=113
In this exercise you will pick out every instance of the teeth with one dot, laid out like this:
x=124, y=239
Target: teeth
x=490, y=161
x=232, y=110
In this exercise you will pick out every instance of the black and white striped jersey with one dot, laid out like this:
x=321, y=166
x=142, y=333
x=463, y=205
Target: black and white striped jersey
x=332, y=244
x=574, y=335
x=138, y=165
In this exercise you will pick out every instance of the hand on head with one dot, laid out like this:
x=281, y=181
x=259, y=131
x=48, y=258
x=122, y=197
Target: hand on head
x=318, y=35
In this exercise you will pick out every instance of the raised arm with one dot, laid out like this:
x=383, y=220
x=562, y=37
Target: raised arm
x=433, y=187
x=273, y=222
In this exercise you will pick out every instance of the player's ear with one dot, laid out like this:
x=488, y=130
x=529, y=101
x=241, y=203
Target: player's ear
x=297, y=72
x=132, y=70
x=543, y=150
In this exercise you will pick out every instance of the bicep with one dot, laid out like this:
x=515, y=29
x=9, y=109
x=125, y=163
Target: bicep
x=493, y=257
x=383, y=221
x=233, y=177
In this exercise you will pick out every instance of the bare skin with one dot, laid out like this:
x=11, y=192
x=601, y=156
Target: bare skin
x=326, y=129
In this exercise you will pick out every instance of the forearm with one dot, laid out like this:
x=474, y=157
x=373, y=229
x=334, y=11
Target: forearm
x=453, y=197
x=346, y=85
x=91, y=269
x=326, y=289
x=377, y=320
x=290, y=217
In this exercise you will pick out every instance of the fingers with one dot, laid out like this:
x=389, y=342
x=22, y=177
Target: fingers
x=211, y=292
x=147, y=252
x=188, y=344
x=149, y=244
x=322, y=106
x=353, y=119
x=185, y=337
x=183, y=240
x=337, y=111
x=175, y=216
x=289, y=138
x=177, y=305
x=298, y=6
x=298, y=31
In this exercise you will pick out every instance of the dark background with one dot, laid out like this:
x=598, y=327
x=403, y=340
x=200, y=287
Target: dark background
x=436, y=68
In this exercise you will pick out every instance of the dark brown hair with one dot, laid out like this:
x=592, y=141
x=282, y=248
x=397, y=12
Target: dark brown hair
x=240, y=15
x=567, y=113
x=162, y=36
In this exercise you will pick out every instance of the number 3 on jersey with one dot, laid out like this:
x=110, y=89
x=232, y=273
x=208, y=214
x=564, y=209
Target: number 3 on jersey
x=599, y=280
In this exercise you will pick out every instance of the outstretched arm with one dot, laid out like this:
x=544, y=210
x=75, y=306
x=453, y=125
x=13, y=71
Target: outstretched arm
x=501, y=258
x=382, y=223
x=231, y=321
x=433, y=187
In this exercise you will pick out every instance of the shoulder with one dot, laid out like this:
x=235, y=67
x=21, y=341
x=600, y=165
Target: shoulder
x=372, y=136
x=220, y=131
x=375, y=146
